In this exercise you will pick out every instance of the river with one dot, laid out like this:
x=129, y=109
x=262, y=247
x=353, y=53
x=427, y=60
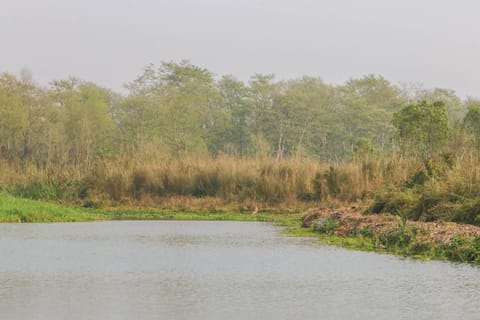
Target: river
x=215, y=270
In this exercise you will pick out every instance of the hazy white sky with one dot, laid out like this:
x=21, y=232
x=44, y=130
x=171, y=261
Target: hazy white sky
x=434, y=42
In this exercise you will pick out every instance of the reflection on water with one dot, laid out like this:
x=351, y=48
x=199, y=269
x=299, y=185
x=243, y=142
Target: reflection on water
x=215, y=270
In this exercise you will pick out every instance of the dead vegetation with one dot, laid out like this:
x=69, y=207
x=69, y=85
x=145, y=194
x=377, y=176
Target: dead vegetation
x=351, y=221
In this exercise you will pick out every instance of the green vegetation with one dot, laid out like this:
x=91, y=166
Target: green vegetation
x=119, y=214
x=325, y=226
x=13, y=209
x=402, y=240
x=178, y=109
x=422, y=127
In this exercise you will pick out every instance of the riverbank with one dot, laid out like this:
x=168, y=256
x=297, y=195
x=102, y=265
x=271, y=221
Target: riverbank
x=17, y=210
x=352, y=228
x=345, y=227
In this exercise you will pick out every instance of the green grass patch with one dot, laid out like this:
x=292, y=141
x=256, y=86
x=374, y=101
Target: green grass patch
x=14, y=209
x=142, y=214
x=353, y=243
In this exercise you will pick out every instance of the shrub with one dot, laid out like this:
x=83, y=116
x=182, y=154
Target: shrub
x=400, y=237
x=144, y=182
x=455, y=249
x=468, y=213
x=333, y=183
x=463, y=249
x=38, y=189
x=116, y=187
x=325, y=225
x=400, y=203
x=366, y=232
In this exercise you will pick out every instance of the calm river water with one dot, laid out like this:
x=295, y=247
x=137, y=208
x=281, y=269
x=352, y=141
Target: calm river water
x=215, y=270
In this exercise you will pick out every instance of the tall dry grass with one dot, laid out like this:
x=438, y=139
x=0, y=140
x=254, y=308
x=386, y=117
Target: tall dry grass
x=398, y=184
x=261, y=180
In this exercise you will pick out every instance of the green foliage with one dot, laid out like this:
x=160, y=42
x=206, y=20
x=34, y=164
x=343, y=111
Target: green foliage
x=231, y=132
x=264, y=118
x=363, y=149
x=366, y=232
x=25, y=132
x=401, y=237
x=38, y=189
x=325, y=225
x=472, y=253
x=85, y=123
x=467, y=213
x=177, y=107
x=423, y=128
x=472, y=120
x=453, y=104
x=399, y=203
x=181, y=109
x=436, y=192
x=14, y=209
x=463, y=249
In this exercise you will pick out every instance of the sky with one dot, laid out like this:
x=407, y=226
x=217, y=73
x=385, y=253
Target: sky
x=434, y=43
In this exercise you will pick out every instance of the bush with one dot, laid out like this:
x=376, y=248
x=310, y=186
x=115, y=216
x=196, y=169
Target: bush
x=37, y=189
x=400, y=237
x=332, y=183
x=421, y=247
x=455, y=250
x=144, y=182
x=325, y=225
x=366, y=232
x=468, y=213
x=463, y=249
x=401, y=203
x=206, y=183
x=116, y=187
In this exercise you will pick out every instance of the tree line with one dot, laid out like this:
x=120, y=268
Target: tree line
x=180, y=109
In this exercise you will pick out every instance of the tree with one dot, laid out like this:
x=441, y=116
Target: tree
x=85, y=113
x=367, y=107
x=363, y=149
x=178, y=99
x=453, y=104
x=25, y=127
x=304, y=112
x=472, y=120
x=234, y=101
x=263, y=91
x=422, y=127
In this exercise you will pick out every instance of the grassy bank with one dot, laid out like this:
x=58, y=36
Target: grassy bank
x=353, y=228
x=458, y=249
x=15, y=209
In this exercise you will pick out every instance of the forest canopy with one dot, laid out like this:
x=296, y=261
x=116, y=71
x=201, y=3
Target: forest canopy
x=180, y=109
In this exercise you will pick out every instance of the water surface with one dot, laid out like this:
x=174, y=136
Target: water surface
x=215, y=270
